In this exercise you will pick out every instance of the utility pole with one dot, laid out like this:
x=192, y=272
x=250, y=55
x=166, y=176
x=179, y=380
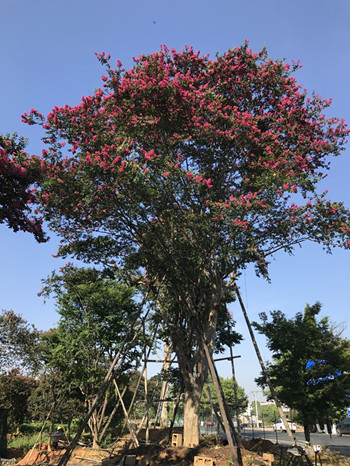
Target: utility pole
x=256, y=410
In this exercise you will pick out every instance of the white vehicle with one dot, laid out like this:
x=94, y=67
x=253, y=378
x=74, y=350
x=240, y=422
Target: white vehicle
x=280, y=427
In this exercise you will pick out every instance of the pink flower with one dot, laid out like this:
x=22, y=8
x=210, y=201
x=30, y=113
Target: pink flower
x=166, y=174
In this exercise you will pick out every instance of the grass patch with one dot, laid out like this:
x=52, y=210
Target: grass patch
x=27, y=435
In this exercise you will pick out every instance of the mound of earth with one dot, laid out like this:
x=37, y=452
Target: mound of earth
x=41, y=454
x=159, y=452
x=164, y=455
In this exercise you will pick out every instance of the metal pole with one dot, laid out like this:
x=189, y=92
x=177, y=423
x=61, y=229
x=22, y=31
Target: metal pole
x=256, y=411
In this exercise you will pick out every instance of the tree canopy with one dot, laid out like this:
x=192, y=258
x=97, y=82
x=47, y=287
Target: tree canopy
x=18, y=175
x=18, y=343
x=15, y=391
x=310, y=368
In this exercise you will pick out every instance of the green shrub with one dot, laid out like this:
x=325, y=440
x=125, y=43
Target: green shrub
x=32, y=428
x=26, y=442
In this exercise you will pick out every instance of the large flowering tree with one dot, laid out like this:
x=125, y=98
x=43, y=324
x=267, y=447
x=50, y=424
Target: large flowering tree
x=185, y=169
x=18, y=173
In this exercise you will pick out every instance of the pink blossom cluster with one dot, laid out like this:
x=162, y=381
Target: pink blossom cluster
x=228, y=140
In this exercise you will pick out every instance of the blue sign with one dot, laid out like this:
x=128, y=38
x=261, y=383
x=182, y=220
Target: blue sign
x=348, y=412
x=311, y=364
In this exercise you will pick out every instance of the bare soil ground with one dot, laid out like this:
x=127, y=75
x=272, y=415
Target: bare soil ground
x=159, y=452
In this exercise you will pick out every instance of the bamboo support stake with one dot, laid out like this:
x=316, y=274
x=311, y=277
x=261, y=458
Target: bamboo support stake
x=236, y=396
x=162, y=412
x=236, y=453
x=111, y=416
x=136, y=442
x=146, y=394
x=41, y=431
x=214, y=414
x=262, y=365
x=175, y=408
x=140, y=378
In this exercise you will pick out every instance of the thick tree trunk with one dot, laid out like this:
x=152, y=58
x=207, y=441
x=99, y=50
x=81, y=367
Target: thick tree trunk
x=163, y=405
x=187, y=343
x=191, y=416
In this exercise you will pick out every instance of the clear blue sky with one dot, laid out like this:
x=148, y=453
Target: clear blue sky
x=47, y=59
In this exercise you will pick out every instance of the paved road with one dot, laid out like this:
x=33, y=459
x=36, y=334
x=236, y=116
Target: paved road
x=341, y=444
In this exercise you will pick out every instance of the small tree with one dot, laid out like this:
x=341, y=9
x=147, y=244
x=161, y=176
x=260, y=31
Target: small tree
x=96, y=313
x=227, y=385
x=18, y=343
x=183, y=170
x=311, y=366
x=269, y=413
x=55, y=396
x=15, y=391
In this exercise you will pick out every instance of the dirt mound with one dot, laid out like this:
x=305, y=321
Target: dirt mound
x=158, y=434
x=260, y=445
x=181, y=456
x=14, y=453
x=156, y=452
x=43, y=455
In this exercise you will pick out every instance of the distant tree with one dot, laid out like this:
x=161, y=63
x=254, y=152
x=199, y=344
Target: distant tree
x=53, y=395
x=268, y=413
x=227, y=385
x=19, y=174
x=310, y=369
x=18, y=343
x=183, y=170
x=15, y=392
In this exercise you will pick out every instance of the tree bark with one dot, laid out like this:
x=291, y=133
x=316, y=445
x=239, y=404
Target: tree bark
x=306, y=431
x=191, y=416
x=187, y=342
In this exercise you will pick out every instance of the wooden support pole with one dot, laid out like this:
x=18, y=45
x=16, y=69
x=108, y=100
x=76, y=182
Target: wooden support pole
x=237, y=411
x=175, y=361
x=140, y=378
x=146, y=392
x=175, y=408
x=214, y=415
x=135, y=440
x=162, y=410
x=236, y=452
x=262, y=365
x=41, y=431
